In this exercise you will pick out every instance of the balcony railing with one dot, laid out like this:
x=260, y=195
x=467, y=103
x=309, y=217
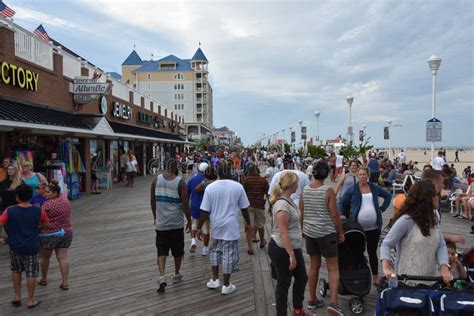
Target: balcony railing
x=33, y=49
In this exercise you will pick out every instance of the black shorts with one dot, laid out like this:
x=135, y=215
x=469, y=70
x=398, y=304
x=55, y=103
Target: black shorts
x=325, y=246
x=56, y=242
x=94, y=176
x=170, y=239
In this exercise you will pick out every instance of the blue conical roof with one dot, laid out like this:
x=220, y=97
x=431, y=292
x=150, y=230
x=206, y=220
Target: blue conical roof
x=132, y=59
x=199, y=55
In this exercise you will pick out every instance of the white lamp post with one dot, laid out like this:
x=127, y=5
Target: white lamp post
x=317, y=114
x=291, y=140
x=389, y=123
x=349, y=100
x=434, y=62
x=283, y=139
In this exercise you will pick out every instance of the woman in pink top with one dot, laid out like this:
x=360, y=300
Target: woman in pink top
x=58, y=210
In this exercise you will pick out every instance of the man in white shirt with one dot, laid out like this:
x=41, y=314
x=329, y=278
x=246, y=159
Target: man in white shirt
x=339, y=164
x=288, y=167
x=223, y=200
x=402, y=156
x=279, y=162
x=438, y=162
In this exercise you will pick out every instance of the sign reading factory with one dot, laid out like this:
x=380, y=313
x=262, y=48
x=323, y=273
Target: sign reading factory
x=122, y=111
x=85, y=90
x=16, y=76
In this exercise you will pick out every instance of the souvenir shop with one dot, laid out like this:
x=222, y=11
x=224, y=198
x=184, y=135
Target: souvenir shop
x=56, y=157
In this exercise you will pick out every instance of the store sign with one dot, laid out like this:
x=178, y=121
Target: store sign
x=90, y=87
x=16, y=76
x=122, y=111
x=146, y=118
x=103, y=105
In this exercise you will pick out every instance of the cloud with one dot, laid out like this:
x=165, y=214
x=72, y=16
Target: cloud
x=283, y=60
x=27, y=14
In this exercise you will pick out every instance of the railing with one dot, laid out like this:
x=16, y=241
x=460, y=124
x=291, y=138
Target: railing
x=120, y=90
x=137, y=98
x=33, y=49
x=71, y=66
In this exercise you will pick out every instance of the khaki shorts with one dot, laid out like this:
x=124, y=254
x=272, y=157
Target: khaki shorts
x=205, y=227
x=257, y=217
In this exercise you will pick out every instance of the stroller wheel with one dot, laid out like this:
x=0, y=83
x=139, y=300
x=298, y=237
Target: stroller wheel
x=323, y=287
x=357, y=306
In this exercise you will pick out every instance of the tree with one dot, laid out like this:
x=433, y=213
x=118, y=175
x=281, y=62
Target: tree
x=316, y=151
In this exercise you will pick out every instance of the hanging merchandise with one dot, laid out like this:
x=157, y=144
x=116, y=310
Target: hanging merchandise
x=21, y=157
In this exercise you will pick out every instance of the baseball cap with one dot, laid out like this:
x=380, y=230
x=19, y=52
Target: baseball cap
x=203, y=166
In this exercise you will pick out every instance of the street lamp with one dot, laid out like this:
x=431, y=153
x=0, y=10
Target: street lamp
x=349, y=100
x=317, y=114
x=291, y=139
x=389, y=123
x=434, y=62
x=283, y=139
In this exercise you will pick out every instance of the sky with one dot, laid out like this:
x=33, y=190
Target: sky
x=273, y=63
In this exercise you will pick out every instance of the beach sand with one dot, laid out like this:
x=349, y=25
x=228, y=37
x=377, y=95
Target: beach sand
x=466, y=158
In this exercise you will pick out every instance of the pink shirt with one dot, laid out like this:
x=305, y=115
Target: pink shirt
x=58, y=211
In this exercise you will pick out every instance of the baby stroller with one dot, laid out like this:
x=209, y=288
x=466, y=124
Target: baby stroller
x=355, y=275
x=431, y=297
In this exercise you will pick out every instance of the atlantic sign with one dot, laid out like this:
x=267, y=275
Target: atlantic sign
x=84, y=89
x=16, y=76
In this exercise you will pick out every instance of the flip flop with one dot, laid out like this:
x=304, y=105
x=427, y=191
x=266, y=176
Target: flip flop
x=16, y=303
x=263, y=244
x=34, y=305
x=250, y=252
x=64, y=288
x=43, y=283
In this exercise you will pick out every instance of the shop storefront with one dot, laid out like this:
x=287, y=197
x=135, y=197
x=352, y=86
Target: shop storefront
x=56, y=116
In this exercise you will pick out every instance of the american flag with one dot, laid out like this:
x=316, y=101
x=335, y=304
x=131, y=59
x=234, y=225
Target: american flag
x=6, y=11
x=41, y=33
x=96, y=75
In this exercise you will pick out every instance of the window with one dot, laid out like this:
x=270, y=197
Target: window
x=179, y=107
x=178, y=77
x=179, y=86
x=148, y=76
x=179, y=96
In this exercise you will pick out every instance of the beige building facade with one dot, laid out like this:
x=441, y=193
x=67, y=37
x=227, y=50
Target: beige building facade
x=180, y=84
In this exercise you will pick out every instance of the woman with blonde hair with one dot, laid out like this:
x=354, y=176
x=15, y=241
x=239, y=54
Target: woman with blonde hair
x=8, y=186
x=32, y=178
x=284, y=248
x=7, y=190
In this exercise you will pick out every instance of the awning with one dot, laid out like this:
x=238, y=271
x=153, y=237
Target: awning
x=20, y=112
x=124, y=129
x=40, y=119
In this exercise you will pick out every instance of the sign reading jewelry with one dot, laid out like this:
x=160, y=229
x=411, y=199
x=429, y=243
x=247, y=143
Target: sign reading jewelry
x=16, y=76
x=122, y=111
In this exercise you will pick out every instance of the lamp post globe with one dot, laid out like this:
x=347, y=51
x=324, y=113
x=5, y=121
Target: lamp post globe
x=317, y=114
x=350, y=100
x=434, y=62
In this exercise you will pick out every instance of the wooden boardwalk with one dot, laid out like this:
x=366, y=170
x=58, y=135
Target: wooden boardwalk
x=113, y=267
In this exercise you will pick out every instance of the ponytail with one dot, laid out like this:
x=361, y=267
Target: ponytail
x=276, y=194
x=287, y=179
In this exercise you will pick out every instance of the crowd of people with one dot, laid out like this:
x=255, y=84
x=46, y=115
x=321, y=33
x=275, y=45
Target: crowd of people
x=296, y=193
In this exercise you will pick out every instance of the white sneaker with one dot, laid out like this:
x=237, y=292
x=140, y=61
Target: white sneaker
x=192, y=249
x=178, y=278
x=205, y=251
x=214, y=284
x=228, y=289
